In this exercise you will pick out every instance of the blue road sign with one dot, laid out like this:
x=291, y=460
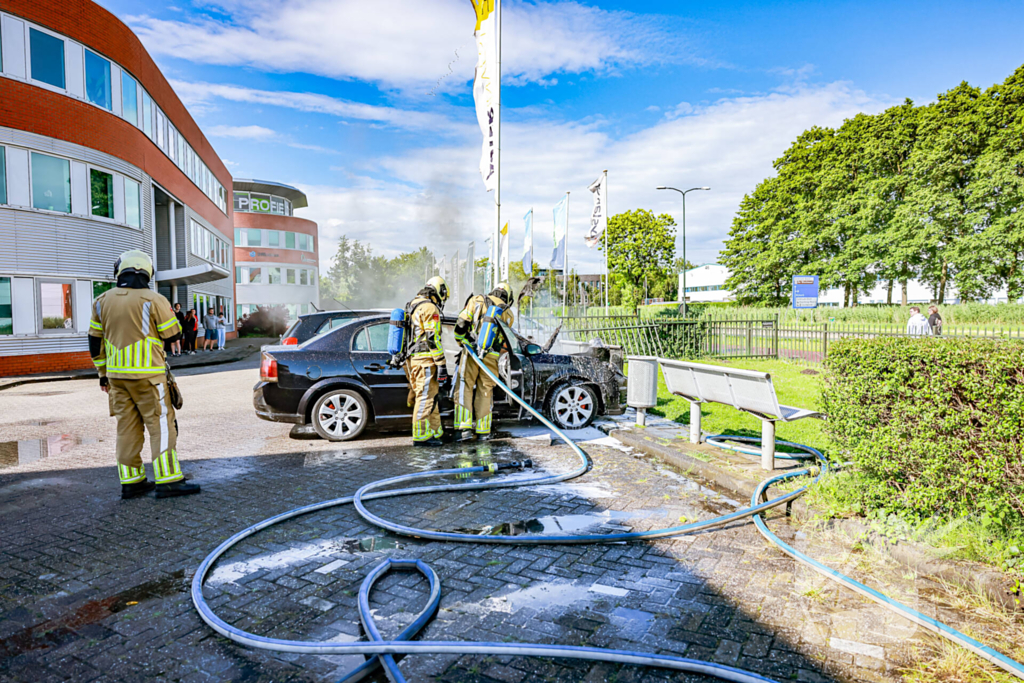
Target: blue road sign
x=805, y=291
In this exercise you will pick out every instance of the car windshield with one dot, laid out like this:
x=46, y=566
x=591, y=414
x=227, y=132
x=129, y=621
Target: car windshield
x=513, y=340
x=335, y=322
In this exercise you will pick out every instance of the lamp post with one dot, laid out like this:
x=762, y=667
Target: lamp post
x=663, y=187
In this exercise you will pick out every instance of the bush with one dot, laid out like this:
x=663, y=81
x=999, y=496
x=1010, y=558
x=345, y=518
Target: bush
x=266, y=321
x=936, y=426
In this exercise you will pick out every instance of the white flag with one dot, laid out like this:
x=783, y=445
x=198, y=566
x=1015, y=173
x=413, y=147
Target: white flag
x=561, y=218
x=485, y=88
x=599, y=217
x=528, y=244
x=503, y=252
x=470, y=268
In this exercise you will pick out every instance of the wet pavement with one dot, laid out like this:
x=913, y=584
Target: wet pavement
x=93, y=588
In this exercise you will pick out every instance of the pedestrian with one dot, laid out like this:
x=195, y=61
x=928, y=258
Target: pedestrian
x=210, y=325
x=918, y=325
x=222, y=328
x=426, y=369
x=128, y=324
x=935, y=320
x=181, y=321
x=191, y=328
x=474, y=390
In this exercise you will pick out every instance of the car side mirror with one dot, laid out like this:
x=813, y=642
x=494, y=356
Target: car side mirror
x=533, y=349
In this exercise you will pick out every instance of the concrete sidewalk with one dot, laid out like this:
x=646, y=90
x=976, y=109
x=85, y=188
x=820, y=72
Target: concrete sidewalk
x=234, y=351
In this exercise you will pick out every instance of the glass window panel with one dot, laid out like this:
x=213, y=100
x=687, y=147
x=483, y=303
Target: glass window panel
x=100, y=287
x=303, y=277
x=132, y=203
x=254, y=276
x=275, y=238
x=290, y=276
x=102, y=193
x=97, y=80
x=378, y=337
x=238, y=274
x=300, y=241
x=51, y=183
x=3, y=176
x=238, y=238
x=6, y=308
x=129, y=98
x=255, y=238
x=289, y=240
x=275, y=276
x=47, y=53
x=147, y=114
x=56, y=303
x=361, y=342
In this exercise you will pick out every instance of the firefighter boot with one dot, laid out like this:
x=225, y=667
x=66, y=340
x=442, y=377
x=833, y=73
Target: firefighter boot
x=176, y=488
x=139, y=488
x=466, y=435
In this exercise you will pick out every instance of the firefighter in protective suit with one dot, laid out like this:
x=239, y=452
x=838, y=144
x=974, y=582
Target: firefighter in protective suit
x=474, y=390
x=426, y=368
x=129, y=326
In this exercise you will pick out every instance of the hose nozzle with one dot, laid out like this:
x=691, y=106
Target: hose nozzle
x=515, y=465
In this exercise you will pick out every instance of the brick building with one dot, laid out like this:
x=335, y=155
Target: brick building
x=97, y=156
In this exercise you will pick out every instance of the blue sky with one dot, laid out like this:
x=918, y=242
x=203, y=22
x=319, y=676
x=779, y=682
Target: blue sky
x=354, y=102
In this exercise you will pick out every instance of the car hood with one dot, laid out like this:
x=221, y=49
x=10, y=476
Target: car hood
x=552, y=367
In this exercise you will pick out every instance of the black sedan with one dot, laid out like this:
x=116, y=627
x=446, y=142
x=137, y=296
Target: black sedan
x=311, y=324
x=340, y=381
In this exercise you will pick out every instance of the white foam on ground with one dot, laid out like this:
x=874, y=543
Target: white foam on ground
x=233, y=571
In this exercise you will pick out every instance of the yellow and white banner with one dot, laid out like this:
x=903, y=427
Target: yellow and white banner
x=503, y=252
x=485, y=88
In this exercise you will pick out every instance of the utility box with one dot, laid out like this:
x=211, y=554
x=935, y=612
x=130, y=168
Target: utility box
x=642, y=386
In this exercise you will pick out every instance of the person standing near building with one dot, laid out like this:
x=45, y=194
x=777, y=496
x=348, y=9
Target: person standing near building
x=191, y=328
x=935, y=320
x=426, y=368
x=222, y=328
x=474, y=390
x=176, y=347
x=210, y=325
x=126, y=333
x=918, y=325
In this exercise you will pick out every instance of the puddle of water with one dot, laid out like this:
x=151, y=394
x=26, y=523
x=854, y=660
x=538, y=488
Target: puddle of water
x=233, y=571
x=631, y=623
x=564, y=524
x=546, y=596
x=599, y=490
x=59, y=631
x=695, y=487
x=14, y=453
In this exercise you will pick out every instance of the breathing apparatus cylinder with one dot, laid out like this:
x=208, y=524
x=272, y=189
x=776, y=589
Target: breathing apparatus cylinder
x=396, y=334
x=488, y=330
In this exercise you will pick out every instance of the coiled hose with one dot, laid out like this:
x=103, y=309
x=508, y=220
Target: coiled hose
x=382, y=652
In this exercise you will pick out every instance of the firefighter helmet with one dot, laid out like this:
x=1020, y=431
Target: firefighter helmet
x=503, y=291
x=440, y=286
x=133, y=260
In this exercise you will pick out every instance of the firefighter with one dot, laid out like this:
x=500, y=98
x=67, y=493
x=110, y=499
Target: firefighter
x=129, y=326
x=473, y=388
x=426, y=368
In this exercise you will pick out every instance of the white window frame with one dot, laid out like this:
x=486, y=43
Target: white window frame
x=39, y=282
x=28, y=58
x=31, y=189
x=89, y=168
x=85, y=81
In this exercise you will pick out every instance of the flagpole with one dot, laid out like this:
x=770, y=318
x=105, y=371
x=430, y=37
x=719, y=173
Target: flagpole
x=565, y=258
x=497, y=166
x=607, y=275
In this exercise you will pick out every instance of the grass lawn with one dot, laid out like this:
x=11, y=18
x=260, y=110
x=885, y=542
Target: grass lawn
x=794, y=385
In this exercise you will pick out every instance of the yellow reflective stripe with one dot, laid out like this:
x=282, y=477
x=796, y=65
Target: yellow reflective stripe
x=99, y=362
x=163, y=326
x=137, y=358
x=95, y=325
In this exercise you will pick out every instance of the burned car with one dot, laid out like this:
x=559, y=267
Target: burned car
x=340, y=381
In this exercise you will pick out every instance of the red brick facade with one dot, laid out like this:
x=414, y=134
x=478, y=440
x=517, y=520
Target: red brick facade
x=45, y=362
x=275, y=254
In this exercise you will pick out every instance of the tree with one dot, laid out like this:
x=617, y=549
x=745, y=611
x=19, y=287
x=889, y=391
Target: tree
x=640, y=244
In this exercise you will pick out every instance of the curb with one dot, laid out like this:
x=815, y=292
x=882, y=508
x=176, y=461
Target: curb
x=92, y=374
x=972, y=576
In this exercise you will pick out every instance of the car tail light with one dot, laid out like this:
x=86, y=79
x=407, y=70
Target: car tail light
x=268, y=368
x=289, y=341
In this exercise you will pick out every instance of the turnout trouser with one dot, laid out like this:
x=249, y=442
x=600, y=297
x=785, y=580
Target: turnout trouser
x=423, y=389
x=142, y=405
x=474, y=394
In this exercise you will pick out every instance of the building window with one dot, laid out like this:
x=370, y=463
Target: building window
x=101, y=187
x=275, y=238
x=147, y=114
x=253, y=238
x=289, y=240
x=51, y=183
x=290, y=276
x=47, y=54
x=6, y=308
x=274, y=276
x=99, y=287
x=3, y=176
x=254, y=276
x=129, y=98
x=303, y=277
x=97, y=80
x=132, y=204
x=56, y=303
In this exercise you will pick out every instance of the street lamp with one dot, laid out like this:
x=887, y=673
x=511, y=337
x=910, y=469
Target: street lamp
x=663, y=187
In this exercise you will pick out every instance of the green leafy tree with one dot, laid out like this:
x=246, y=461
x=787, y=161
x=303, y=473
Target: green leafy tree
x=640, y=245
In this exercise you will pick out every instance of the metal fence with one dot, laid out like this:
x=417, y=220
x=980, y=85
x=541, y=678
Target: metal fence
x=673, y=337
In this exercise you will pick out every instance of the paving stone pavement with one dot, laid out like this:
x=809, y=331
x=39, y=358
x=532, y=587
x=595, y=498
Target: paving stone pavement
x=93, y=588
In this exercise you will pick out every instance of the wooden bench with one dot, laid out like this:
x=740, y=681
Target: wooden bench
x=746, y=390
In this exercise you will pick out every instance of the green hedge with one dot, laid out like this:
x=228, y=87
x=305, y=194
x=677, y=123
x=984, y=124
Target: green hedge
x=936, y=426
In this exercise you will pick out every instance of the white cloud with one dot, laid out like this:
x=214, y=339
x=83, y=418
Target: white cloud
x=199, y=94
x=242, y=132
x=435, y=197
x=409, y=44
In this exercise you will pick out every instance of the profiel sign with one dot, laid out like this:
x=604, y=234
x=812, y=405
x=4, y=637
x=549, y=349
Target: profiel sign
x=805, y=291
x=260, y=203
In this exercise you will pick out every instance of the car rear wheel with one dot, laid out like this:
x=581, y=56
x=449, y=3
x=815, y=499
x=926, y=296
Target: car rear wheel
x=340, y=415
x=572, y=405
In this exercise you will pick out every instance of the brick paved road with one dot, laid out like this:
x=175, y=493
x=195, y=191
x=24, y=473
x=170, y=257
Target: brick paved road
x=94, y=588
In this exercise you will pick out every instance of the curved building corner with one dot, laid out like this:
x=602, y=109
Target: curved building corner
x=277, y=254
x=97, y=156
